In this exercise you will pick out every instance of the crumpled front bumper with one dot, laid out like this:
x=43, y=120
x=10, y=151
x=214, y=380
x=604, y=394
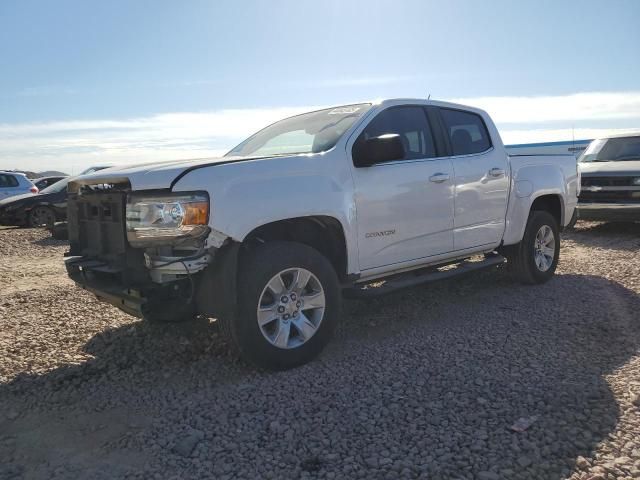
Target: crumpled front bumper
x=213, y=290
x=103, y=281
x=102, y=261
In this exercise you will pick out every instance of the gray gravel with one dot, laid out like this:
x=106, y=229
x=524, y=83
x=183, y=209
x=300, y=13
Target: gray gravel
x=426, y=383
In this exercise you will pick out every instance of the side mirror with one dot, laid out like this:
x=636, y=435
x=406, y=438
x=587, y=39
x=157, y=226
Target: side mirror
x=385, y=148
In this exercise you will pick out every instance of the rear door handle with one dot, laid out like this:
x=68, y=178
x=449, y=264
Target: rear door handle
x=439, y=177
x=496, y=172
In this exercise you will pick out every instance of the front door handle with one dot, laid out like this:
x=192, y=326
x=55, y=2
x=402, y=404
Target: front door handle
x=496, y=172
x=439, y=177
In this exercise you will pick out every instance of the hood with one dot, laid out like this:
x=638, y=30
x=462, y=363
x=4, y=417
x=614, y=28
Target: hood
x=17, y=198
x=626, y=167
x=151, y=176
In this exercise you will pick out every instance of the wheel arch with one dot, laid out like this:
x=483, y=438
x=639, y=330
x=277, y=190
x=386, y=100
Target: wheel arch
x=551, y=203
x=520, y=207
x=218, y=289
x=323, y=233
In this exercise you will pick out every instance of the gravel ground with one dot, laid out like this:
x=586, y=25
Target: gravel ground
x=425, y=383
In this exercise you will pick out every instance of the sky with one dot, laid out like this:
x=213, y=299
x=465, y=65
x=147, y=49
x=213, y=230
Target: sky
x=86, y=82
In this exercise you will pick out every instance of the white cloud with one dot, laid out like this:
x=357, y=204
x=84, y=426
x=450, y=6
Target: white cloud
x=190, y=124
x=73, y=145
x=551, y=118
x=513, y=137
x=579, y=107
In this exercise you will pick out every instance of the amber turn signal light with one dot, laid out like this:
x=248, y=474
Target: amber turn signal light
x=196, y=213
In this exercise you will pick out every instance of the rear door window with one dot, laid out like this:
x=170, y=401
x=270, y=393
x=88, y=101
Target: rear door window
x=466, y=131
x=8, y=181
x=410, y=123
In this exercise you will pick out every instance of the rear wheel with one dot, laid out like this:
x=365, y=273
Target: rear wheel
x=535, y=258
x=42, y=216
x=288, y=305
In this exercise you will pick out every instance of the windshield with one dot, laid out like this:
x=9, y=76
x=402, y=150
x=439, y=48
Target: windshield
x=312, y=132
x=57, y=187
x=612, y=150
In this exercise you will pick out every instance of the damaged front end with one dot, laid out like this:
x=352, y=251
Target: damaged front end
x=145, y=253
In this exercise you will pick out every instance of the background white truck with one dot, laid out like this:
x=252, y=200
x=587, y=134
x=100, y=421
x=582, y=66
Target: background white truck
x=610, y=170
x=363, y=198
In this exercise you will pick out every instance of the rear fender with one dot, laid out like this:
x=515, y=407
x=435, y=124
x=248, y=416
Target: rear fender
x=528, y=184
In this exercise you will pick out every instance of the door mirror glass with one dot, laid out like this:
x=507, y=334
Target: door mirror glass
x=385, y=148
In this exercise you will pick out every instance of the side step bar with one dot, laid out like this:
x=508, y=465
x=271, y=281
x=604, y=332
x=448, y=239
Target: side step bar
x=417, y=277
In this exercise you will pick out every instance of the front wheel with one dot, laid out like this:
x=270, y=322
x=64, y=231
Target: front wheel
x=42, y=216
x=535, y=258
x=288, y=305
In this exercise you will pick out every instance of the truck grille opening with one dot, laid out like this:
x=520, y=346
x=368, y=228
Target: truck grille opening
x=96, y=224
x=607, y=181
x=98, y=237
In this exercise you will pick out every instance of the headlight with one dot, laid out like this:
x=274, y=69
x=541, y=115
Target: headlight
x=636, y=181
x=164, y=219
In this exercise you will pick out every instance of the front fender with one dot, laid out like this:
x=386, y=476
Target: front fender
x=250, y=194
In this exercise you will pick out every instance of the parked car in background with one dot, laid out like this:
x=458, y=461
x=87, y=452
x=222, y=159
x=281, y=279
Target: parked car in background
x=44, y=182
x=610, y=169
x=13, y=183
x=43, y=208
x=359, y=199
x=34, y=210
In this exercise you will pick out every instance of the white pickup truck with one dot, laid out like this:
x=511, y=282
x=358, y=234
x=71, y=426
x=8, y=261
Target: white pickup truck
x=360, y=199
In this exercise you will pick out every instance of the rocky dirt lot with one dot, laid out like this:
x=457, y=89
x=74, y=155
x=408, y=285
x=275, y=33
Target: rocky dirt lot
x=426, y=383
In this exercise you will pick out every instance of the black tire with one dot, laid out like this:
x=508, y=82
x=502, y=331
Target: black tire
x=257, y=267
x=521, y=258
x=41, y=216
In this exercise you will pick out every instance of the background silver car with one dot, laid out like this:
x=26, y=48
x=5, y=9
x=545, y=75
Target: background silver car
x=43, y=182
x=13, y=183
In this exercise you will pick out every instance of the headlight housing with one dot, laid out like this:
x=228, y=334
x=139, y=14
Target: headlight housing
x=166, y=219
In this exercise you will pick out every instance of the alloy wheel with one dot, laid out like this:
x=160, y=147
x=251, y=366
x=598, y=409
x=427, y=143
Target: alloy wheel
x=291, y=308
x=544, y=248
x=42, y=216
